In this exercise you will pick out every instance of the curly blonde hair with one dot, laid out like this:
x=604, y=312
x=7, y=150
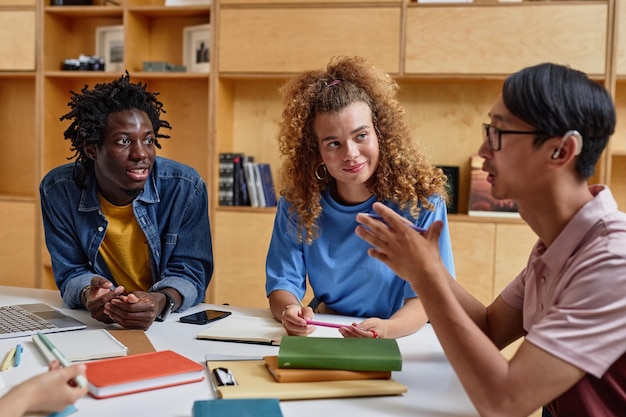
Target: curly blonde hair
x=403, y=176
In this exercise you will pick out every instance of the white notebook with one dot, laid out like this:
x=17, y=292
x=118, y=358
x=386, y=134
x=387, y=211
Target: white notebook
x=259, y=330
x=82, y=345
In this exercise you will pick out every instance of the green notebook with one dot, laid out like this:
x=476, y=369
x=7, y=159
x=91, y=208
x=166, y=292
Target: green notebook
x=239, y=407
x=353, y=354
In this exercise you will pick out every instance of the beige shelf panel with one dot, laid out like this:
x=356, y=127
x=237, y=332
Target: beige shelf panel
x=248, y=37
x=17, y=231
x=501, y=40
x=17, y=25
x=18, y=162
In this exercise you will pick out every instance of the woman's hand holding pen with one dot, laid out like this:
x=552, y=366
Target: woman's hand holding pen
x=295, y=318
x=44, y=393
x=372, y=328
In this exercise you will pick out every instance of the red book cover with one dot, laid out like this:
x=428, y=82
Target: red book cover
x=143, y=372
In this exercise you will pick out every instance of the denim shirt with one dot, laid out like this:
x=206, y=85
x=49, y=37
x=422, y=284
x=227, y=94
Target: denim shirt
x=172, y=211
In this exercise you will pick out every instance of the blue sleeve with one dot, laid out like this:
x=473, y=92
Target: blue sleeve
x=285, y=267
x=190, y=267
x=427, y=218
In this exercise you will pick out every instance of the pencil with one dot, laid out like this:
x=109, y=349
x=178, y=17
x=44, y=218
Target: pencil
x=8, y=360
x=18, y=355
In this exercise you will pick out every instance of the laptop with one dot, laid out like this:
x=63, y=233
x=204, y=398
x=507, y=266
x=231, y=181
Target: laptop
x=27, y=319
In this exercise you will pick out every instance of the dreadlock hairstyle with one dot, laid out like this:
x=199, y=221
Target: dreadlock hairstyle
x=90, y=110
x=403, y=176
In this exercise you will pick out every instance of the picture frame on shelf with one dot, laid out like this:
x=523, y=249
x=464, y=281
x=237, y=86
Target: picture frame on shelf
x=481, y=201
x=197, y=48
x=110, y=47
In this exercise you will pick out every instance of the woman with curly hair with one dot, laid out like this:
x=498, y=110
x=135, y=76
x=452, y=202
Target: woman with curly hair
x=345, y=144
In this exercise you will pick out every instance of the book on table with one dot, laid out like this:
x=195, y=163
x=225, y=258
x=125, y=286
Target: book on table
x=237, y=407
x=353, y=354
x=254, y=381
x=257, y=330
x=310, y=375
x=82, y=345
x=142, y=372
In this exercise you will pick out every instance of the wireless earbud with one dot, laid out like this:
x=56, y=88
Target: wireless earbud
x=579, y=141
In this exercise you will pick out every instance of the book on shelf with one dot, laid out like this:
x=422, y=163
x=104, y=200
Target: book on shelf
x=310, y=375
x=240, y=189
x=481, y=201
x=81, y=345
x=226, y=179
x=237, y=407
x=267, y=185
x=353, y=354
x=147, y=371
x=250, y=175
x=244, y=182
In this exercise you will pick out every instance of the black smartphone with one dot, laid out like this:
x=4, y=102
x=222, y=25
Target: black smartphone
x=205, y=317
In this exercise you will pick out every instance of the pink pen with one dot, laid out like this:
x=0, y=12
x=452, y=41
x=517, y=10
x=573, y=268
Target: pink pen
x=326, y=324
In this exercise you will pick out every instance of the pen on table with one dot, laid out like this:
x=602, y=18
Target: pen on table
x=18, y=355
x=326, y=324
x=378, y=217
x=8, y=360
x=80, y=380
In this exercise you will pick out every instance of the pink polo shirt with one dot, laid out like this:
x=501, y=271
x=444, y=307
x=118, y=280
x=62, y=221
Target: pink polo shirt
x=573, y=297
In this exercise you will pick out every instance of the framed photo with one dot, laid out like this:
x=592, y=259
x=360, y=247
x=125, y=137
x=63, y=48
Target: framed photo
x=110, y=47
x=197, y=48
x=452, y=187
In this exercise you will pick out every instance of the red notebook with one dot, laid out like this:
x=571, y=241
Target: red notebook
x=143, y=372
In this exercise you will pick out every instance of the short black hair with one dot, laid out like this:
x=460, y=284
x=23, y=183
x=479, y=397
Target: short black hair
x=554, y=99
x=90, y=110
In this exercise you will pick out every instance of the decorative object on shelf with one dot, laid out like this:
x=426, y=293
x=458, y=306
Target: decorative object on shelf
x=196, y=48
x=110, y=46
x=71, y=2
x=445, y=1
x=452, y=187
x=84, y=63
x=187, y=2
x=481, y=202
x=160, y=66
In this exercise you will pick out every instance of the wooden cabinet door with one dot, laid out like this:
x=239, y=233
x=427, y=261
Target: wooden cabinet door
x=18, y=54
x=288, y=40
x=501, y=39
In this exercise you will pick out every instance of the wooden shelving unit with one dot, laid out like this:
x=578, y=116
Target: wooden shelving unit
x=450, y=60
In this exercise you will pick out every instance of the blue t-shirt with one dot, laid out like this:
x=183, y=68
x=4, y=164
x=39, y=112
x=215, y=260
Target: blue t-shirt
x=341, y=273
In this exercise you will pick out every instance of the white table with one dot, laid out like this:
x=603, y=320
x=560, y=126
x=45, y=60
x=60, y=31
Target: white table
x=433, y=388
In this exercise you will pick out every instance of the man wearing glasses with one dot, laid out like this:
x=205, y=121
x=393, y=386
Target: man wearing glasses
x=547, y=130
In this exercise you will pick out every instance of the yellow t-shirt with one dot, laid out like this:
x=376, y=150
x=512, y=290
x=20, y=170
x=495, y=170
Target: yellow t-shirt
x=125, y=248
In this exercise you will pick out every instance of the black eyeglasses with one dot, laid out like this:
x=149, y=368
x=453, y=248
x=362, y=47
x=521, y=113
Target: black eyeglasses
x=493, y=135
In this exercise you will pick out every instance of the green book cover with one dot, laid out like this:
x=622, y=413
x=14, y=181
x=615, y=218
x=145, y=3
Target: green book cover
x=237, y=407
x=353, y=354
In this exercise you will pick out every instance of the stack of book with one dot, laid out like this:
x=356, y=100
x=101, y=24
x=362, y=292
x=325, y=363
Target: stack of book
x=316, y=367
x=331, y=358
x=244, y=182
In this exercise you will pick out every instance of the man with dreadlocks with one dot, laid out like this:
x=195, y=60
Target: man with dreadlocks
x=128, y=232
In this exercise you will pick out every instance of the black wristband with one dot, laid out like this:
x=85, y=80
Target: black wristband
x=169, y=306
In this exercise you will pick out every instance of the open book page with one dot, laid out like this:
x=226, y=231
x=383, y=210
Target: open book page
x=262, y=330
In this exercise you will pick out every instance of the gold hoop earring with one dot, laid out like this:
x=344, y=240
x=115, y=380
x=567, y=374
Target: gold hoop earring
x=324, y=172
